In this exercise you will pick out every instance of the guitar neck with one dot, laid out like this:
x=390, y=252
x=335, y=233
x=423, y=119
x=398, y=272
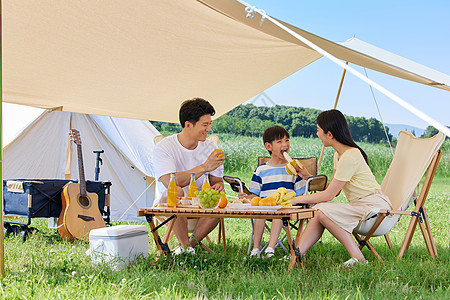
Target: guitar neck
x=81, y=171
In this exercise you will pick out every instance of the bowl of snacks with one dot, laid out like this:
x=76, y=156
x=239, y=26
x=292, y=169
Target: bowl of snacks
x=187, y=200
x=209, y=199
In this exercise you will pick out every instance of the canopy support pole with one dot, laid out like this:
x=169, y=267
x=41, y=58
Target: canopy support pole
x=2, y=242
x=69, y=151
x=334, y=107
x=340, y=87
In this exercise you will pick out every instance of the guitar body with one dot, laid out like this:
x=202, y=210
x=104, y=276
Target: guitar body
x=79, y=213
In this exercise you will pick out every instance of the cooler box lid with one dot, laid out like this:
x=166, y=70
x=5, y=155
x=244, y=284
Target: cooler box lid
x=119, y=231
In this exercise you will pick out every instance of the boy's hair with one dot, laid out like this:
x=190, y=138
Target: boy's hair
x=274, y=133
x=193, y=109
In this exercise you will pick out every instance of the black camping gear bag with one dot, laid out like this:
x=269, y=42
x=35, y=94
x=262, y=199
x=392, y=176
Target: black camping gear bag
x=41, y=198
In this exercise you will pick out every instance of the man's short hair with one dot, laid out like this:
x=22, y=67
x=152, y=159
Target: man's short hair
x=274, y=133
x=193, y=109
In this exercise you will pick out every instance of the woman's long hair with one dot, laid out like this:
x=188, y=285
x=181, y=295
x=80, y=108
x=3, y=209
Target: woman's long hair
x=334, y=121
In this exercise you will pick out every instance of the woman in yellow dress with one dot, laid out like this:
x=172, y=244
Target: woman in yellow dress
x=352, y=175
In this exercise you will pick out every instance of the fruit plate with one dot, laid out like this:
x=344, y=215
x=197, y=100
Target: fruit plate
x=238, y=205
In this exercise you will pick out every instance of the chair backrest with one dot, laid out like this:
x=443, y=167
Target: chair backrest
x=310, y=163
x=214, y=139
x=411, y=159
x=157, y=139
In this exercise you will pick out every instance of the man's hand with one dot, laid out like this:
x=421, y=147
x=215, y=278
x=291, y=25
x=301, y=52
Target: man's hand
x=214, y=161
x=242, y=195
x=218, y=187
x=180, y=193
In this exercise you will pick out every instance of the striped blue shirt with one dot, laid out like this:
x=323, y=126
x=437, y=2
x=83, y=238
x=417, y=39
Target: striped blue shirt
x=268, y=178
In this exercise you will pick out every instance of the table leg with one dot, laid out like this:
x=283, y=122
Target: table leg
x=222, y=222
x=297, y=240
x=299, y=233
x=294, y=254
x=162, y=247
x=168, y=233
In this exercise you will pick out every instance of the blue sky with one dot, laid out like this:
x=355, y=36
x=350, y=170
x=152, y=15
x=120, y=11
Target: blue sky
x=417, y=30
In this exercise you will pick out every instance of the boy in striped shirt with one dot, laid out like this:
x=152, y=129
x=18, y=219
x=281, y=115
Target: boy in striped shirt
x=267, y=178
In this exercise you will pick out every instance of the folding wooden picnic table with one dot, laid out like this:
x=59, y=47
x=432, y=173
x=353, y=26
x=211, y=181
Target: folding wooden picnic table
x=284, y=214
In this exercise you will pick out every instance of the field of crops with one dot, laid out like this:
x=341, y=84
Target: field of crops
x=242, y=153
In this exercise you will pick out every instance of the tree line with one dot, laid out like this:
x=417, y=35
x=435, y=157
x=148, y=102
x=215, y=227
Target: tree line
x=251, y=120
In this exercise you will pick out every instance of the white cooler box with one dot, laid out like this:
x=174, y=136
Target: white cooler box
x=118, y=245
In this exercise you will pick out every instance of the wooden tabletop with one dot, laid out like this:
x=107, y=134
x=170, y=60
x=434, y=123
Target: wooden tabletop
x=292, y=212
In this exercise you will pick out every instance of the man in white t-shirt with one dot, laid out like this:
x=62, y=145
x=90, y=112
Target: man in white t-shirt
x=189, y=152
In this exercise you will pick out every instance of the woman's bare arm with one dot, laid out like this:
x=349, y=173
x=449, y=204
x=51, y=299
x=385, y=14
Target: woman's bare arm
x=327, y=195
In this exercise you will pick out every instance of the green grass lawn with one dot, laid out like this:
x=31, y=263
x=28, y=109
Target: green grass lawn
x=46, y=267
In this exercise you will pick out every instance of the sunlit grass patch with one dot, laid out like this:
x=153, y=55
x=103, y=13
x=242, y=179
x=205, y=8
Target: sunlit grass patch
x=47, y=267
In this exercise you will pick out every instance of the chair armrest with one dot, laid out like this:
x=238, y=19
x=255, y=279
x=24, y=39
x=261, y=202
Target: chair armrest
x=394, y=212
x=236, y=184
x=316, y=183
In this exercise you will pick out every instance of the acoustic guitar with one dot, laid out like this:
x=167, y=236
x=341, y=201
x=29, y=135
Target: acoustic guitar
x=80, y=213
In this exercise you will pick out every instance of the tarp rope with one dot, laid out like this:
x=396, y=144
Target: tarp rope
x=151, y=183
x=381, y=117
x=389, y=94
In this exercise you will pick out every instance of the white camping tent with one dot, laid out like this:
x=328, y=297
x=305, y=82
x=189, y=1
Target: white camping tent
x=40, y=151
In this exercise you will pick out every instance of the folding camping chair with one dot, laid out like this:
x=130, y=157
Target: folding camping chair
x=411, y=159
x=41, y=198
x=313, y=184
x=192, y=222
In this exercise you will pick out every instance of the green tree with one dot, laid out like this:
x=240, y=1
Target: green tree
x=251, y=120
x=429, y=132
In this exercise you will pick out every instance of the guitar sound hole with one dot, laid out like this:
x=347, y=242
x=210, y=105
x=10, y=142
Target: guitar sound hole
x=84, y=201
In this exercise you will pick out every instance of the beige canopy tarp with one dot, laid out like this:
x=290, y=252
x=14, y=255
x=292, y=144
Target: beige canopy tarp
x=141, y=59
